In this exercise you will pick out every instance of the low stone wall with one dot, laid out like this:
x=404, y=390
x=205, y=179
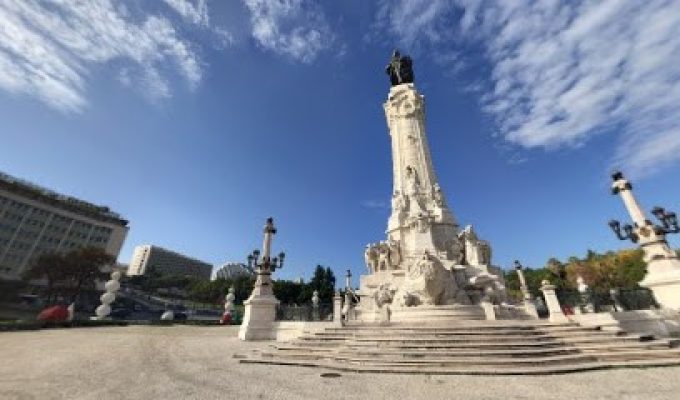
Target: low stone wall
x=649, y=322
x=289, y=330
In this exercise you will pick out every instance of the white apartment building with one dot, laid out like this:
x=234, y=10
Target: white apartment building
x=166, y=262
x=35, y=220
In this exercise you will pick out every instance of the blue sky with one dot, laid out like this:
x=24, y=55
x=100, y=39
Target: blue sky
x=197, y=120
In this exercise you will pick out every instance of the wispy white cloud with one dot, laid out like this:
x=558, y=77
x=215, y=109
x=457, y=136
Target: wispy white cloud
x=296, y=29
x=48, y=48
x=194, y=12
x=412, y=22
x=564, y=71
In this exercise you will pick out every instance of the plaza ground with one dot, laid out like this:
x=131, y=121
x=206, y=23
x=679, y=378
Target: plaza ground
x=190, y=362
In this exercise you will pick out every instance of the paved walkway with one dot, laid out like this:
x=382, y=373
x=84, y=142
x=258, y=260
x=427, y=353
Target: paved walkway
x=184, y=362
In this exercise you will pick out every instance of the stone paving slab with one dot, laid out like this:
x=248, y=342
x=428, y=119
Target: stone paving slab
x=184, y=362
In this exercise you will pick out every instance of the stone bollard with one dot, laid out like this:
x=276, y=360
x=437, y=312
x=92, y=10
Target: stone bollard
x=530, y=308
x=615, y=295
x=552, y=303
x=486, y=304
x=337, y=309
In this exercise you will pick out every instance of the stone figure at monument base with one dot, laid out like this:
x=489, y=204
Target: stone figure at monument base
x=426, y=261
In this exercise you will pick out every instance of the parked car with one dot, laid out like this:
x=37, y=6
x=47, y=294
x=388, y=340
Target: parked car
x=120, y=313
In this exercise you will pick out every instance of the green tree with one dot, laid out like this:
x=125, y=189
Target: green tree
x=622, y=269
x=288, y=292
x=70, y=273
x=83, y=267
x=214, y=291
x=48, y=266
x=323, y=280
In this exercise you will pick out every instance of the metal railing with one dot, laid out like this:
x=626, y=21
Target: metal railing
x=621, y=300
x=305, y=312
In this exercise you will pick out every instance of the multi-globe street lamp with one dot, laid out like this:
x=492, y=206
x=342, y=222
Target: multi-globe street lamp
x=642, y=226
x=265, y=265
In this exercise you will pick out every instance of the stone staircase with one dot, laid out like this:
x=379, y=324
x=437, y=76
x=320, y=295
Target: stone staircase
x=471, y=347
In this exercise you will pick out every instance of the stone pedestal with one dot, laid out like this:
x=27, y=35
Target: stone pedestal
x=552, y=303
x=663, y=279
x=530, y=308
x=337, y=309
x=259, y=317
x=488, y=308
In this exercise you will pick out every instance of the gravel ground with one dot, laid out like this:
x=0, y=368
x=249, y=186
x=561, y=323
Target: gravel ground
x=184, y=362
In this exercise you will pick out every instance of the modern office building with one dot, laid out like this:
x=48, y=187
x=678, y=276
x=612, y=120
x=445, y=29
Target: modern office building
x=35, y=220
x=231, y=270
x=146, y=258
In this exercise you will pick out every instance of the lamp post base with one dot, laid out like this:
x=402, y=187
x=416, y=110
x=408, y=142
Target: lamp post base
x=258, y=319
x=663, y=279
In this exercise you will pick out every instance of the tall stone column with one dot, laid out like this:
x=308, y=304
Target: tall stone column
x=420, y=218
x=663, y=266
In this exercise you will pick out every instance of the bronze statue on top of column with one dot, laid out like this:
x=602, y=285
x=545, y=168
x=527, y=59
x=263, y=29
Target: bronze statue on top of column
x=400, y=69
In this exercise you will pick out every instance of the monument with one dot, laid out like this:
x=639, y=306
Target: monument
x=427, y=266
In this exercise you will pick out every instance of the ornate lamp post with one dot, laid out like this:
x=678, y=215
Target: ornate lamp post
x=663, y=266
x=346, y=309
x=522, y=281
x=260, y=308
x=265, y=266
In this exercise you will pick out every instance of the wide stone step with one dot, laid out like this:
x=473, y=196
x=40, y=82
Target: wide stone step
x=377, y=341
x=435, y=359
x=461, y=335
x=467, y=325
x=382, y=352
x=478, y=346
x=473, y=362
x=470, y=370
x=502, y=361
x=528, y=330
x=522, y=353
x=468, y=331
x=640, y=354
